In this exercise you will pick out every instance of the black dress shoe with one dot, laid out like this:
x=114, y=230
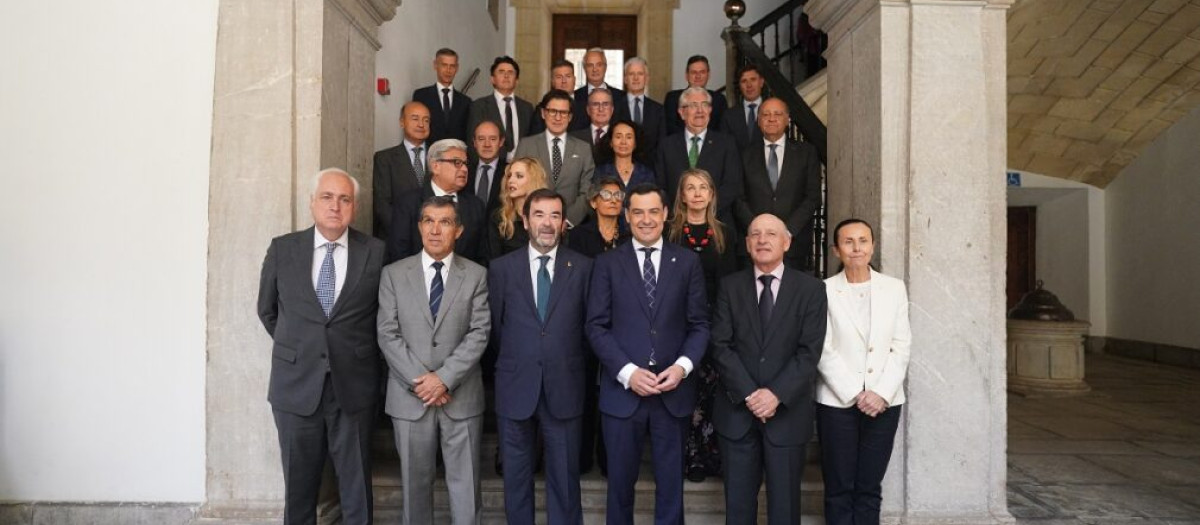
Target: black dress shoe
x=696, y=474
x=499, y=463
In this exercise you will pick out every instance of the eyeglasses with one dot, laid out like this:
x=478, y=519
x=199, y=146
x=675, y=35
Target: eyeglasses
x=458, y=163
x=557, y=113
x=611, y=195
x=600, y=105
x=698, y=105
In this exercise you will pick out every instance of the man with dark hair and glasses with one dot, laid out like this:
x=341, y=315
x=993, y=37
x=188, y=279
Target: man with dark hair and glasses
x=566, y=159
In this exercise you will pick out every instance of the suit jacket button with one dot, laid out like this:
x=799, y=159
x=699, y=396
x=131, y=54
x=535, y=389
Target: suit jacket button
x=543, y=334
x=762, y=360
x=872, y=349
x=435, y=344
x=322, y=356
x=870, y=370
x=653, y=332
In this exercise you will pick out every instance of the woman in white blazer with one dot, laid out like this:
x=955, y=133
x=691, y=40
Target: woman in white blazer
x=860, y=388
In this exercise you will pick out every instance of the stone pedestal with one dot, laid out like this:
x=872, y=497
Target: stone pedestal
x=292, y=95
x=1045, y=358
x=917, y=147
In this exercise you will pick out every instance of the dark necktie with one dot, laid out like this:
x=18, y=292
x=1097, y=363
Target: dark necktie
x=436, y=289
x=543, y=288
x=418, y=166
x=508, y=124
x=556, y=160
x=446, y=102
x=751, y=119
x=599, y=135
x=483, y=189
x=766, y=301
x=773, y=166
x=637, y=110
x=649, y=281
x=327, y=280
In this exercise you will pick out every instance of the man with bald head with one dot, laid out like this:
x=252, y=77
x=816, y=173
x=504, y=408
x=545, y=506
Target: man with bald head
x=783, y=178
x=400, y=168
x=317, y=299
x=767, y=335
x=595, y=67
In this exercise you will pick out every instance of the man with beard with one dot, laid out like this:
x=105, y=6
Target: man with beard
x=539, y=301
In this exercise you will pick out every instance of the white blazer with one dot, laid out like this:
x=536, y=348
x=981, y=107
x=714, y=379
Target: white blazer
x=849, y=362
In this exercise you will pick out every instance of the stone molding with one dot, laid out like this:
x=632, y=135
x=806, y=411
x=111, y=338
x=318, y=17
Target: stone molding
x=367, y=15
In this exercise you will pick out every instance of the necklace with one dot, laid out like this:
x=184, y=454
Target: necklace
x=697, y=245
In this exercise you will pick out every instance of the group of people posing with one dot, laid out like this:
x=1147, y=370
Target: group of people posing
x=609, y=301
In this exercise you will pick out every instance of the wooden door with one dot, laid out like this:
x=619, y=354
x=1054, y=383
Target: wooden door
x=1022, y=235
x=582, y=32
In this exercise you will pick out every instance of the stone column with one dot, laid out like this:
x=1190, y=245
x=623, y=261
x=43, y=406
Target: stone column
x=917, y=147
x=293, y=95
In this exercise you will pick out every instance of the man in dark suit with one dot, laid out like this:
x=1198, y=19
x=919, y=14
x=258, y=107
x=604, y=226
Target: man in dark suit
x=562, y=76
x=767, y=337
x=782, y=178
x=700, y=147
x=400, y=168
x=447, y=178
x=448, y=107
x=595, y=67
x=540, y=380
x=486, y=170
x=643, y=111
x=697, y=76
x=317, y=298
x=514, y=114
x=566, y=159
x=743, y=125
x=648, y=325
x=600, y=114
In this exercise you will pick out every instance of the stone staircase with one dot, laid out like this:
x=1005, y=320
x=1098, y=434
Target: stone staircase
x=704, y=502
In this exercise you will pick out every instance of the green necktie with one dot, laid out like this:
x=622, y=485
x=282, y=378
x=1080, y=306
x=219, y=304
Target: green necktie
x=694, y=152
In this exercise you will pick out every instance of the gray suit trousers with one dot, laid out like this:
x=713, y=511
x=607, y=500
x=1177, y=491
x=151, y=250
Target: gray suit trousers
x=418, y=443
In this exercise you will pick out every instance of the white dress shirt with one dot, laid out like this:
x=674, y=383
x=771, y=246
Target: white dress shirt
x=493, y=177
x=603, y=132
x=535, y=265
x=408, y=147
x=746, y=109
x=439, y=192
x=440, y=87
x=562, y=148
x=515, y=125
x=427, y=265
x=778, y=152
x=655, y=260
x=340, y=256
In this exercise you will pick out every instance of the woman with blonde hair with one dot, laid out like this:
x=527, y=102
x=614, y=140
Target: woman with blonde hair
x=694, y=225
x=507, y=231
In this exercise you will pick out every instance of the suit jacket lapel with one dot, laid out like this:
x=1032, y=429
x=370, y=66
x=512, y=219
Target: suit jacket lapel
x=784, y=301
x=635, y=274
x=303, y=256
x=790, y=152
x=526, y=285
x=842, y=287
x=356, y=263
x=563, y=272
x=416, y=283
x=748, y=292
x=667, y=276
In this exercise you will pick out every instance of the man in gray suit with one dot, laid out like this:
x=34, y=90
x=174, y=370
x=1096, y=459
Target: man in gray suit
x=568, y=160
x=432, y=348
x=318, y=298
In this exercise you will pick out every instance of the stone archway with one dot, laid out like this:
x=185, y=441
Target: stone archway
x=292, y=94
x=534, y=24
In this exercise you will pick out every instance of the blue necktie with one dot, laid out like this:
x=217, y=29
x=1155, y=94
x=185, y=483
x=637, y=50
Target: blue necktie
x=327, y=280
x=543, y=288
x=649, y=282
x=751, y=119
x=435, y=289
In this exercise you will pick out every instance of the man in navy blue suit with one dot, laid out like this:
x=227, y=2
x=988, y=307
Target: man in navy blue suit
x=539, y=305
x=648, y=324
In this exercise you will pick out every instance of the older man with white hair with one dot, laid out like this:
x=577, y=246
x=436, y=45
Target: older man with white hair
x=318, y=298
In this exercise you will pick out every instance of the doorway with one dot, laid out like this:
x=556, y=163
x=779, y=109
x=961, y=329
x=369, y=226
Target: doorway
x=573, y=35
x=1022, y=241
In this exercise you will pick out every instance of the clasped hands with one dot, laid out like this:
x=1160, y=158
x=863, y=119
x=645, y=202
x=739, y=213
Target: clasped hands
x=870, y=403
x=645, y=383
x=762, y=403
x=432, y=391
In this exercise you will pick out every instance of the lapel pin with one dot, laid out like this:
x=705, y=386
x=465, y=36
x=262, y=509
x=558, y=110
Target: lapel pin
x=568, y=264
x=672, y=259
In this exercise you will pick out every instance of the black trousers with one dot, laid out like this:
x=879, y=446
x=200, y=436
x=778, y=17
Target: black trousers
x=855, y=450
x=304, y=444
x=746, y=460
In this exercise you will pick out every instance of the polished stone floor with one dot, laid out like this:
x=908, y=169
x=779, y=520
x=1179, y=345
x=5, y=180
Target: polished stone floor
x=1127, y=452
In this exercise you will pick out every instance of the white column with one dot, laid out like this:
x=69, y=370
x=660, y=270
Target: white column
x=917, y=147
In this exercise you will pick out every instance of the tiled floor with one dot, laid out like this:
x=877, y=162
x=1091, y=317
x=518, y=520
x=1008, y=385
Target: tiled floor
x=1127, y=452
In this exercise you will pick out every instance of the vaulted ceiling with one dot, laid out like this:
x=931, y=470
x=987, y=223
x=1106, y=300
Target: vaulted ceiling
x=1092, y=82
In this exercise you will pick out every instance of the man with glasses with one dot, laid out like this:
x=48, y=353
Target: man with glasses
x=600, y=113
x=447, y=178
x=595, y=67
x=514, y=114
x=782, y=178
x=566, y=159
x=432, y=327
x=699, y=147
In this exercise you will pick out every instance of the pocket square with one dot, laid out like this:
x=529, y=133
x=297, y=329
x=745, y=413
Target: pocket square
x=574, y=155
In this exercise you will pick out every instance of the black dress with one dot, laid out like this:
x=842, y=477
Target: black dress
x=498, y=245
x=587, y=239
x=703, y=455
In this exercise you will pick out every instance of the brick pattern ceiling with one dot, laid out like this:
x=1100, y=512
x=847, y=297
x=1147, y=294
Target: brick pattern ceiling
x=1092, y=82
